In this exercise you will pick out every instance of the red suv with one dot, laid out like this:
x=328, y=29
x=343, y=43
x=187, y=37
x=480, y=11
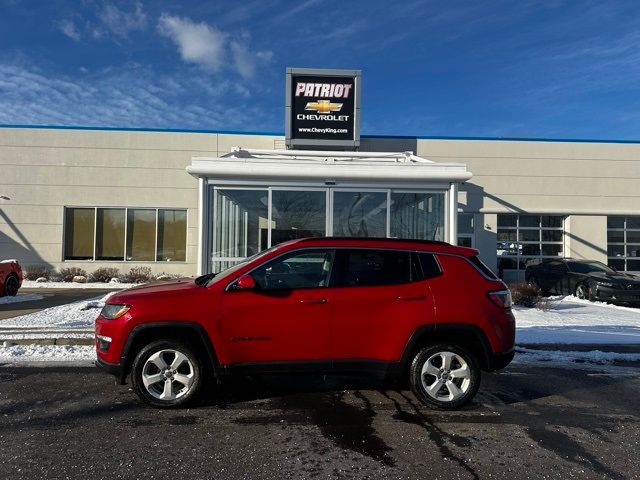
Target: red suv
x=426, y=311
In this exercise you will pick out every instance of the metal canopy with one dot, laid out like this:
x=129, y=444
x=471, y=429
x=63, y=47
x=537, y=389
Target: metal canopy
x=393, y=167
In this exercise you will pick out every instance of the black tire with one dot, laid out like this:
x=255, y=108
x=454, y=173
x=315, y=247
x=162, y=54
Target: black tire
x=583, y=292
x=467, y=386
x=11, y=285
x=144, y=367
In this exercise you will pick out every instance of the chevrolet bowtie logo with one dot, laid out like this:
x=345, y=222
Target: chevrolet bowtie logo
x=323, y=106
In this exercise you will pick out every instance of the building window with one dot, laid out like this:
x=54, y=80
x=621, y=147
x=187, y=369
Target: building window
x=623, y=243
x=110, y=232
x=172, y=236
x=125, y=234
x=360, y=214
x=79, y=230
x=246, y=220
x=465, y=229
x=418, y=216
x=526, y=239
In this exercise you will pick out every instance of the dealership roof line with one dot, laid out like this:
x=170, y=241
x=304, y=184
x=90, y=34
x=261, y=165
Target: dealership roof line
x=238, y=132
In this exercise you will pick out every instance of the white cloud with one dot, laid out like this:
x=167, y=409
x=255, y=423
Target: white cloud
x=128, y=96
x=208, y=47
x=244, y=59
x=69, y=29
x=198, y=43
x=120, y=22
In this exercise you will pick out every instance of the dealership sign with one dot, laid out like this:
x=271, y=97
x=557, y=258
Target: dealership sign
x=323, y=107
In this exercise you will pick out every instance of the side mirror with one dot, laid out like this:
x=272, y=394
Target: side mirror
x=245, y=282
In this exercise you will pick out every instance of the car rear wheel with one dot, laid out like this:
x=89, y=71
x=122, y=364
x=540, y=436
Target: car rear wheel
x=166, y=374
x=444, y=376
x=11, y=285
x=583, y=292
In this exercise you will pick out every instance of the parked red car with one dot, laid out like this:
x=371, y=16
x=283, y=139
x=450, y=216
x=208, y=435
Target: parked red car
x=10, y=277
x=424, y=311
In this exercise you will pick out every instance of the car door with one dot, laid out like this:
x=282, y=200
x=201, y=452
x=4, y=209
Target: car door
x=379, y=299
x=286, y=317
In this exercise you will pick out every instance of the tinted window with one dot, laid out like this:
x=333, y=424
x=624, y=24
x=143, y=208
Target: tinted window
x=588, y=267
x=430, y=267
x=482, y=267
x=306, y=269
x=375, y=267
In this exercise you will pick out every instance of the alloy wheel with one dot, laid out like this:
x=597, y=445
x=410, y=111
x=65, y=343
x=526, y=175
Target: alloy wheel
x=582, y=291
x=168, y=374
x=445, y=376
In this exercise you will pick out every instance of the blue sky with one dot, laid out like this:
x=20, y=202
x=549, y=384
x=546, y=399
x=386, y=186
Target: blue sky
x=550, y=69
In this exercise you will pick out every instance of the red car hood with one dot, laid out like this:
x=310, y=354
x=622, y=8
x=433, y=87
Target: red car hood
x=162, y=288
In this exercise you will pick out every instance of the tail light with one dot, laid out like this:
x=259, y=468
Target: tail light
x=502, y=298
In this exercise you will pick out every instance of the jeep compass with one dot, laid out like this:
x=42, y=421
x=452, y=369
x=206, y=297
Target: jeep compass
x=427, y=313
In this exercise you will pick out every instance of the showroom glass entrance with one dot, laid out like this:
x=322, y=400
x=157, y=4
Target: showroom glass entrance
x=246, y=220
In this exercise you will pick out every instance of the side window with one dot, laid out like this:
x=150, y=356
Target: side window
x=375, y=267
x=430, y=267
x=306, y=269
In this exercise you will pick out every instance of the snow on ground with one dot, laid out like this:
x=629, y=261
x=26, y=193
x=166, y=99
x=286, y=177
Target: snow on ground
x=73, y=315
x=574, y=321
x=99, y=285
x=556, y=356
x=26, y=297
x=46, y=353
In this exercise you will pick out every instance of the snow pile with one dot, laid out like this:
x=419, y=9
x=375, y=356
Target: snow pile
x=40, y=353
x=74, y=315
x=555, y=356
x=98, y=285
x=27, y=297
x=571, y=320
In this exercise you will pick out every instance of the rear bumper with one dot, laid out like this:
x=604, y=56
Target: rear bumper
x=498, y=361
x=114, y=369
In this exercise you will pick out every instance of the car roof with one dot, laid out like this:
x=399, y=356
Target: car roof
x=392, y=243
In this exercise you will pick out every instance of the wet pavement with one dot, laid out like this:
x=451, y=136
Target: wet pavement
x=527, y=422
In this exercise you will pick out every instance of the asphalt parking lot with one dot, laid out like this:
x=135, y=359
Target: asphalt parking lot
x=531, y=421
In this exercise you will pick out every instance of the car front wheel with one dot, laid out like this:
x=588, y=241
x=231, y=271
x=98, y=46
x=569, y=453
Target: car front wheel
x=166, y=374
x=583, y=292
x=444, y=376
x=11, y=285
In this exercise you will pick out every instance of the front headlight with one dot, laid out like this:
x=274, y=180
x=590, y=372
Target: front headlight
x=111, y=312
x=606, y=284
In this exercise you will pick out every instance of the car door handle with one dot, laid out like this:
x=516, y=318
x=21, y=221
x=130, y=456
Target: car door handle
x=412, y=297
x=314, y=300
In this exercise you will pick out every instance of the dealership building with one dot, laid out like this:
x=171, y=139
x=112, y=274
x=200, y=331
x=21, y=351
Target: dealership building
x=189, y=202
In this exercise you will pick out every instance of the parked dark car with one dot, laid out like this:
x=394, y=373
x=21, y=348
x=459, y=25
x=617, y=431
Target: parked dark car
x=587, y=279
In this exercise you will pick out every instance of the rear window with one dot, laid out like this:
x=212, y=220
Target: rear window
x=376, y=267
x=482, y=267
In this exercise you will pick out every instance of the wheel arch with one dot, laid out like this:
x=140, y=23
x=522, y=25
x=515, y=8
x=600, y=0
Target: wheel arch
x=466, y=336
x=193, y=334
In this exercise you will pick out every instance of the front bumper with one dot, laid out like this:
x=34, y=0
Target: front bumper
x=612, y=294
x=115, y=369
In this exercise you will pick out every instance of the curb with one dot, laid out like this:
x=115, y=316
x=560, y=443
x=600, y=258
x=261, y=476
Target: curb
x=46, y=341
x=582, y=347
x=561, y=347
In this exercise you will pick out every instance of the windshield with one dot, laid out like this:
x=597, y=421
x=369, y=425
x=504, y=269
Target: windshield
x=589, y=267
x=230, y=270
